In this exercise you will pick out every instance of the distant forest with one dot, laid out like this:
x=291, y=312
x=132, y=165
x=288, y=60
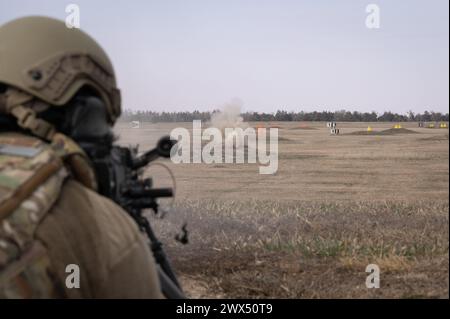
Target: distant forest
x=338, y=116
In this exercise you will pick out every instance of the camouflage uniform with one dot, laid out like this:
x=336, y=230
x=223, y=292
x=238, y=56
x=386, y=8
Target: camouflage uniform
x=50, y=214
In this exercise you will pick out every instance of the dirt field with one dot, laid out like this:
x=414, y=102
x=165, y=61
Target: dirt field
x=336, y=204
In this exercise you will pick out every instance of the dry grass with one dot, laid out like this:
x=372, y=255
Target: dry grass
x=391, y=131
x=290, y=249
x=336, y=204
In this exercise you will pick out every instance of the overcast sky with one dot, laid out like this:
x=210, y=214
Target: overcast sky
x=292, y=55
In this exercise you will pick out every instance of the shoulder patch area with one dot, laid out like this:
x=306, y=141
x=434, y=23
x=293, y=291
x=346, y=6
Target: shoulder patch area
x=31, y=178
x=23, y=151
x=25, y=163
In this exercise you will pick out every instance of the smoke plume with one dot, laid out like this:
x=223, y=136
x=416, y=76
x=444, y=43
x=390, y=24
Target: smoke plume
x=229, y=116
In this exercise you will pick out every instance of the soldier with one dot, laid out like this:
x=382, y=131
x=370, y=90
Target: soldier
x=58, y=90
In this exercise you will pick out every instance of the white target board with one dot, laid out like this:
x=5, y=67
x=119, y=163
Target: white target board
x=334, y=131
x=331, y=124
x=135, y=124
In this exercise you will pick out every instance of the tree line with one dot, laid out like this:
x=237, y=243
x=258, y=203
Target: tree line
x=327, y=116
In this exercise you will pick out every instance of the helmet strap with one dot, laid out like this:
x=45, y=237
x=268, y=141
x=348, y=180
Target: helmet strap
x=15, y=102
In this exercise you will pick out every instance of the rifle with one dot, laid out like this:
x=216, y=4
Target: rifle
x=119, y=177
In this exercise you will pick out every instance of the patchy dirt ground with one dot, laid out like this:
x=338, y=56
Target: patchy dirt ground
x=336, y=204
x=310, y=250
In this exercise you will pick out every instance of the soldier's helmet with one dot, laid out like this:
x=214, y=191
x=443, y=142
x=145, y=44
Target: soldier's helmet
x=43, y=57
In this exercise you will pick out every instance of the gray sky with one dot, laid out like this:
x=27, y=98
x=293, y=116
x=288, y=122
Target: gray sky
x=292, y=55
